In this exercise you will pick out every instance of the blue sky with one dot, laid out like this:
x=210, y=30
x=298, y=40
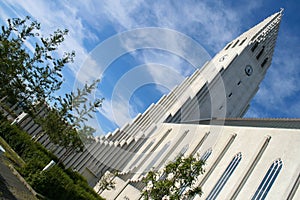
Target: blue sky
x=137, y=78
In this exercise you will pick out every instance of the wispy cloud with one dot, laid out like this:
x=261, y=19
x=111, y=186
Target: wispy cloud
x=53, y=15
x=279, y=94
x=211, y=24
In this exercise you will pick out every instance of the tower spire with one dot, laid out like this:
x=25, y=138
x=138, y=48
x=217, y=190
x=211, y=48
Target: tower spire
x=268, y=27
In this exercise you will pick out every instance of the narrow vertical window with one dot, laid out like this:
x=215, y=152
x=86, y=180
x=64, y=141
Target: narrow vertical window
x=225, y=176
x=243, y=42
x=184, y=149
x=161, y=140
x=206, y=155
x=182, y=152
x=235, y=43
x=264, y=62
x=260, y=53
x=172, y=150
x=254, y=46
x=268, y=180
x=228, y=46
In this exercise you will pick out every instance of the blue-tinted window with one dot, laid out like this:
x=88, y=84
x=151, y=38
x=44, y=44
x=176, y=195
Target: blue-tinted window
x=268, y=180
x=206, y=155
x=184, y=149
x=225, y=176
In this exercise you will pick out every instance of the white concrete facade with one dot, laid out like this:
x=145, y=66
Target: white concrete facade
x=268, y=142
x=239, y=157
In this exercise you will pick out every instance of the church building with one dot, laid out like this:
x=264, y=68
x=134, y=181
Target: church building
x=203, y=116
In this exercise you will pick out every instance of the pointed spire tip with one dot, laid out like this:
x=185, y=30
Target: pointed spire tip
x=281, y=10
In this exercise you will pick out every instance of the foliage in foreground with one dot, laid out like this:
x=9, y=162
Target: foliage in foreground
x=57, y=183
x=177, y=181
x=31, y=66
x=30, y=74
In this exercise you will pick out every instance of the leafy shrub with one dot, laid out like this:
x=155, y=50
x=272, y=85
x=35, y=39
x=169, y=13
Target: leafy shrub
x=56, y=183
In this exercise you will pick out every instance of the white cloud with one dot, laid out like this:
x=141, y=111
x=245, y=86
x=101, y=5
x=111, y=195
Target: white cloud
x=121, y=12
x=211, y=24
x=133, y=108
x=53, y=15
x=279, y=92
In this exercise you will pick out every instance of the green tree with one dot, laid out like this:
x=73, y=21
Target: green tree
x=65, y=122
x=106, y=182
x=30, y=75
x=30, y=78
x=176, y=181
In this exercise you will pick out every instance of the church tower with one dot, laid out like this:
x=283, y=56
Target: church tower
x=187, y=121
x=222, y=88
x=232, y=77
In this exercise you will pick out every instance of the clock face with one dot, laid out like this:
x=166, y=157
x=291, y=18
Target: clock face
x=223, y=58
x=248, y=70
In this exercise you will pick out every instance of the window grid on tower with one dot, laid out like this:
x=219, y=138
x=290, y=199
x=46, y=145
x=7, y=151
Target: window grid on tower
x=225, y=176
x=268, y=180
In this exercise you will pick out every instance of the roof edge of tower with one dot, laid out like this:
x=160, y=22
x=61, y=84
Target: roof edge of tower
x=266, y=25
x=287, y=123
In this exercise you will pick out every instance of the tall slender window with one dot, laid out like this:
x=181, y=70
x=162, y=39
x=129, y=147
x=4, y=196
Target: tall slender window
x=228, y=46
x=171, y=150
x=242, y=42
x=260, y=53
x=161, y=140
x=268, y=180
x=184, y=149
x=182, y=152
x=254, y=46
x=264, y=62
x=206, y=155
x=225, y=176
x=235, y=43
